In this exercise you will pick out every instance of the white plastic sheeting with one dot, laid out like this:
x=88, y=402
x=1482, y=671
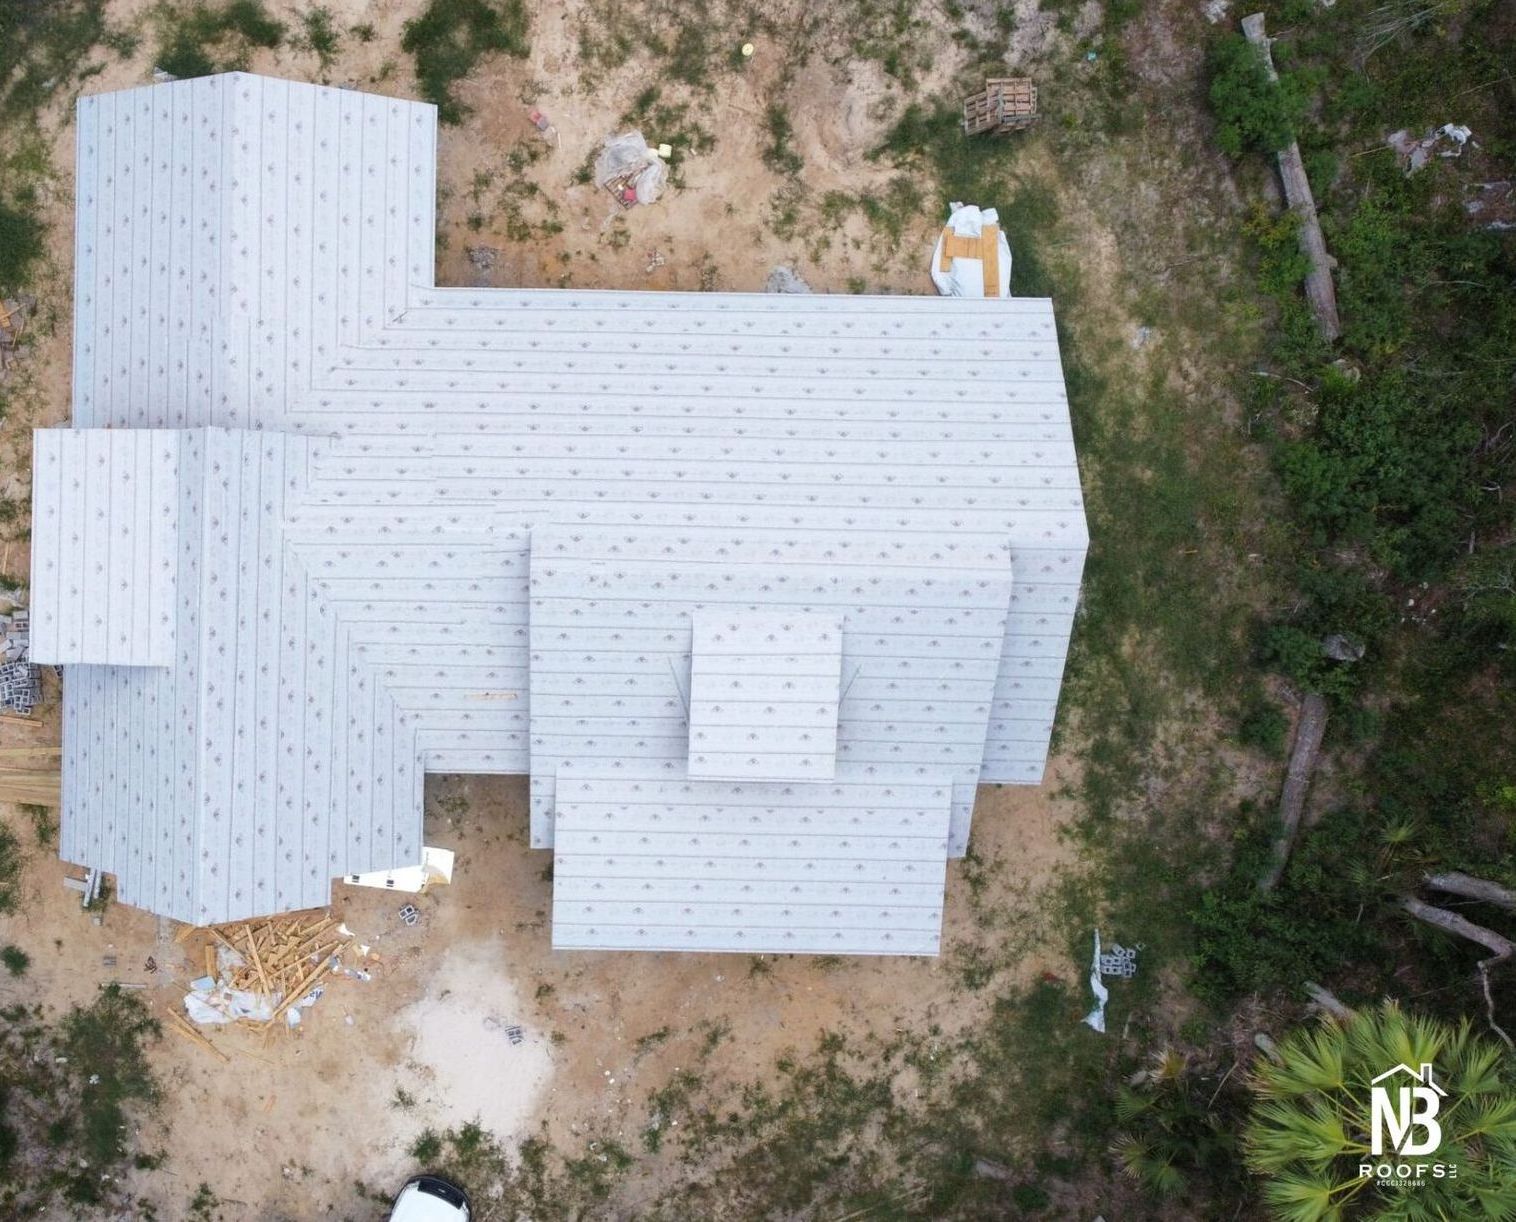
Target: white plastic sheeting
x=964, y=276
x=436, y=868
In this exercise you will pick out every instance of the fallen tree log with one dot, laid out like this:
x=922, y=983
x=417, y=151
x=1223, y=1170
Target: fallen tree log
x=1319, y=290
x=1297, y=782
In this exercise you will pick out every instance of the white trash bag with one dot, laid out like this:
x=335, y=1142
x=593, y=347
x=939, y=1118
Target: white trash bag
x=964, y=275
x=627, y=162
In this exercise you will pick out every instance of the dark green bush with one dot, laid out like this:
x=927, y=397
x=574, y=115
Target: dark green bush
x=1263, y=728
x=1252, y=112
x=449, y=39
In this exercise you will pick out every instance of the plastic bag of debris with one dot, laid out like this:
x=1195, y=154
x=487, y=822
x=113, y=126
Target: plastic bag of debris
x=972, y=257
x=630, y=170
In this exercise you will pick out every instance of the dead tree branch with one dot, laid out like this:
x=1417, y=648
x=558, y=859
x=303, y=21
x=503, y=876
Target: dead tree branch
x=1454, y=882
x=1328, y=1001
x=1502, y=948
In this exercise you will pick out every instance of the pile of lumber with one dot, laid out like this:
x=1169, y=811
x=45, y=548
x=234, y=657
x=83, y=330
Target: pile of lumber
x=31, y=775
x=277, y=961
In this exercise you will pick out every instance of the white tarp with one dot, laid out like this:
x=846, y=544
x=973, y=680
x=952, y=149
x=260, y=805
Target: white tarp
x=1096, y=1017
x=964, y=276
x=436, y=868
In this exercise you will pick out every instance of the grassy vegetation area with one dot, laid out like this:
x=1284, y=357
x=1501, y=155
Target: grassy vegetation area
x=203, y=38
x=449, y=38
x=71, y=1094
x=1393, y=449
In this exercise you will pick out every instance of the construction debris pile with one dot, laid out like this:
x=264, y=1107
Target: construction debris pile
x=20, y=681
x=13, y=315
x=263, y=974
x=632, y=171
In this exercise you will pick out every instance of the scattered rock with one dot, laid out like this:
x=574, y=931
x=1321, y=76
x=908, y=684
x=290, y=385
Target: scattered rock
x=785, y=280
x=1342, y=648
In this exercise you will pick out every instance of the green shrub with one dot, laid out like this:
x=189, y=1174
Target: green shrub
x=449, y=39
x=1252, y=112
x=320, y=35
x=16, y=960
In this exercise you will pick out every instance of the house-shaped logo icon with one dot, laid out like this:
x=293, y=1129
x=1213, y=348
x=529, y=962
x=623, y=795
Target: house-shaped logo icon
x=1424, y=1076
x=1396, y=1117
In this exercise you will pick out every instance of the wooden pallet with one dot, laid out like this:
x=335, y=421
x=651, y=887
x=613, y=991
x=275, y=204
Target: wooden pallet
x=985, y=248
x=1006, y=104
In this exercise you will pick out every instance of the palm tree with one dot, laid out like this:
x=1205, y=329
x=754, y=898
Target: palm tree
x=1309, y=1129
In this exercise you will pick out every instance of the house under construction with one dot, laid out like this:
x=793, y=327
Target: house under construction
x=756, y=588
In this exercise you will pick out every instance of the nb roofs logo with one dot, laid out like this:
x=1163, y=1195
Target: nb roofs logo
x=1402, y=1103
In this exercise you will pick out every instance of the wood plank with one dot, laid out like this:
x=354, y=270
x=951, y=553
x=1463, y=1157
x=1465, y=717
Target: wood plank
x=183, y=1027
x=252, y=945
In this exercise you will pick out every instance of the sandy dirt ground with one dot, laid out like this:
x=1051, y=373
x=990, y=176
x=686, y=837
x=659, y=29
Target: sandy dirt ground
x=294, y=1120
x=288, y=1127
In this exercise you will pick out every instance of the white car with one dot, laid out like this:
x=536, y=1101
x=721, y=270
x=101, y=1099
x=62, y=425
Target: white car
x=429, y=1198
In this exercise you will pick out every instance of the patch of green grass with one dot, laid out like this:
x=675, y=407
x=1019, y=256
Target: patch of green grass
x=427, y=1148
x=70, y=1096
x=779, y=153
x=205, y=1205
x=22, y=236
x=202, y=39
x=16, y=960
x=319, y=35
x=449, y=39
x=10, y=871
x=44, y=46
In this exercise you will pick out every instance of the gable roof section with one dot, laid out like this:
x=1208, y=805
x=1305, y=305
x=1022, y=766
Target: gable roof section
x=105, y=515
x=846, y=867
x=258, y=761
x=763, y=695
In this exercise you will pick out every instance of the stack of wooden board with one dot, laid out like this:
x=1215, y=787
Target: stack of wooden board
x=985, y=247
x=30, y=775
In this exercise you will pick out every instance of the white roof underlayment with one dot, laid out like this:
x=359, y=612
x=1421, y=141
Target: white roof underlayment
x=764, y=688
x=464, y=480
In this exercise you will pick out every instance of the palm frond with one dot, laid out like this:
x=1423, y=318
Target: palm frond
x=1302, y=1198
